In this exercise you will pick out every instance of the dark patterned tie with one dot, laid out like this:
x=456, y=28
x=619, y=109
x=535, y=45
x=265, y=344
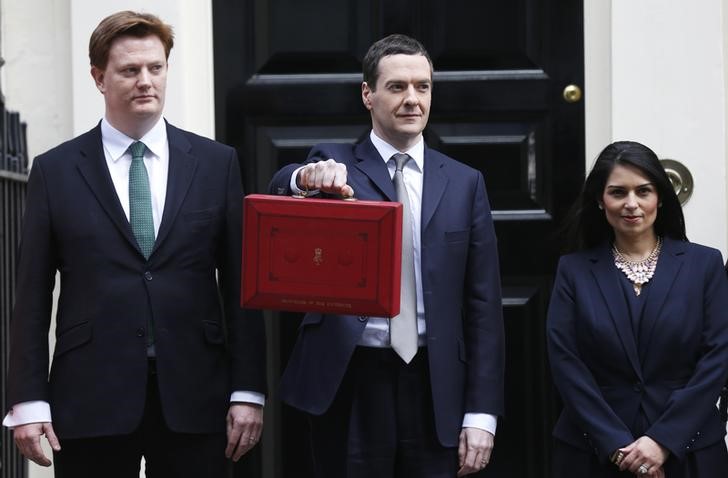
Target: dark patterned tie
x=140, y=200
x=403, y=328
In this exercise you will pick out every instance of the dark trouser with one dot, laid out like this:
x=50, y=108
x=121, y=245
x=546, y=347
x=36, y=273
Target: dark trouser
x=167, y=454
x=381, y=423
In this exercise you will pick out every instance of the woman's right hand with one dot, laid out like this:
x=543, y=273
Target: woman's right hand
x=644, y=453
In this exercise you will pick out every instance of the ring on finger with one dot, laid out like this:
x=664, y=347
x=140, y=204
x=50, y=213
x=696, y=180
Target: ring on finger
x=643, y=469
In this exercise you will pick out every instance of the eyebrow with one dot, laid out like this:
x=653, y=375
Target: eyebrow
x=403, y=81
x=619, y=186
x=135, y=63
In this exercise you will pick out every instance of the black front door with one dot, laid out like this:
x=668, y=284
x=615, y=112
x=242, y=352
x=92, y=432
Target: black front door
x=288, y=76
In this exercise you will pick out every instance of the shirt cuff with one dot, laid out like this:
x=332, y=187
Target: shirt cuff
x=36, y=411
x=294, y=186
x=248, y=397
x=484, y=421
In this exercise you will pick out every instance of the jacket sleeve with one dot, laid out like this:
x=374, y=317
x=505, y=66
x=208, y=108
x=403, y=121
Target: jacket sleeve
x=280, y=184
x=583, y=400
x=689, y=407
x=246, y=331
x=36, y=270
x=483, y=321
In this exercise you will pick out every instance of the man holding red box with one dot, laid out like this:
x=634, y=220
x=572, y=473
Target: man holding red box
x=417, y=395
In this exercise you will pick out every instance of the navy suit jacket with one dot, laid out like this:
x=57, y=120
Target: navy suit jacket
x=461, y=287
x=75, y=224
x=673, y=373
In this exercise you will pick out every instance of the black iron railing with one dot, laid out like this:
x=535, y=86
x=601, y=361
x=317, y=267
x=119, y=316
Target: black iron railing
x=13, y=181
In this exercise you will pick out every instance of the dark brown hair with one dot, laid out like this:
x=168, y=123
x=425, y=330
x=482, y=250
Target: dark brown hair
x=395, y=44
x=126, y=23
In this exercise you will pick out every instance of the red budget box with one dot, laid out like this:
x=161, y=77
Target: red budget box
x=321, y=255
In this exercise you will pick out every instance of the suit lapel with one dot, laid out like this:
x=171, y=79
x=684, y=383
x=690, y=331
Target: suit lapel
x=373, y=166
x=182, y=166
x=433, y=187
x=606, y=277
x=93, y=168
x=668, y=266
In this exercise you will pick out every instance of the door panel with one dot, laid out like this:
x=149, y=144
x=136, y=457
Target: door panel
x=288, y=76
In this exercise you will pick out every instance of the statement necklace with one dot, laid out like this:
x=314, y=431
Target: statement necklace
x=638, y=272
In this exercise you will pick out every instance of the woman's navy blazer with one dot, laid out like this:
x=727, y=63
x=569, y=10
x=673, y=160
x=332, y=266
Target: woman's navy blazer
x=673, y=373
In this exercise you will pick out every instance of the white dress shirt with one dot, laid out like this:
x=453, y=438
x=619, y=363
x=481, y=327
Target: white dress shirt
x=156, y=159
x=118, y=159
x=376, y=332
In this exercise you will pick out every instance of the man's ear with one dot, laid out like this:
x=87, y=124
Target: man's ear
x=366, y=94
x=98, y=75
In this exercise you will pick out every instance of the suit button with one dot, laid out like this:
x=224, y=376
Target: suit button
x=148, y=275
x=637, y=387
x=362, y=318
x=140, y=332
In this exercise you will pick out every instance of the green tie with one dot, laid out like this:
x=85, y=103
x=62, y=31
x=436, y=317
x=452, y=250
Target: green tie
x=140, y=200
x=140, y=214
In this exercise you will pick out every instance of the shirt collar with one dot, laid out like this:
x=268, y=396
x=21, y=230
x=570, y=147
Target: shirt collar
x=117, y=143
x=386, y=150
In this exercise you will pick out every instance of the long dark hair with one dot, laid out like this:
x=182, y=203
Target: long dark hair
x=587, y=225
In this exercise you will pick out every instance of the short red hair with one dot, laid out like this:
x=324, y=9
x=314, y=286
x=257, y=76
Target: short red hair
x=126, y=23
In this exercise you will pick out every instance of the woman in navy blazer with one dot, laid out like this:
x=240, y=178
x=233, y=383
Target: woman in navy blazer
x=637, y=331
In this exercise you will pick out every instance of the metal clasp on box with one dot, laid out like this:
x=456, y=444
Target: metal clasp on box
x=305, y=193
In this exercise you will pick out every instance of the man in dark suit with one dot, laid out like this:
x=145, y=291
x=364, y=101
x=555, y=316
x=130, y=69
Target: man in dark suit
x=153, y=355
x=420, y=396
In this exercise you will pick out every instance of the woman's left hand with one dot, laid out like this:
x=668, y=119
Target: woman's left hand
x=644, y=457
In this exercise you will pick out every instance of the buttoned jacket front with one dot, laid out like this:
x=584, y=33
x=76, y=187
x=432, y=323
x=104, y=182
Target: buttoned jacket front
x=205, y=345
x=671, y=372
